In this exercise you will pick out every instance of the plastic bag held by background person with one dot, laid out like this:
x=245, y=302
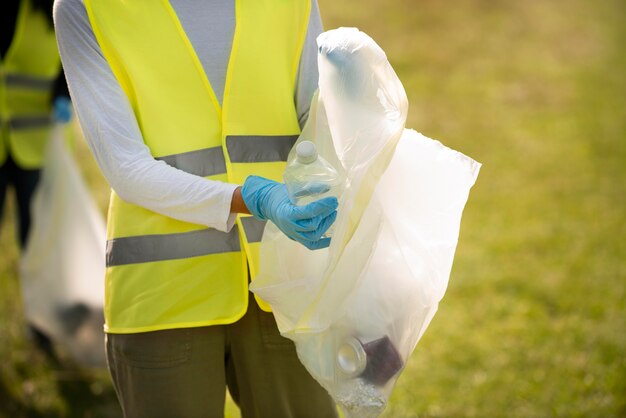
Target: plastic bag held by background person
x=62, y=268
x=357, y=309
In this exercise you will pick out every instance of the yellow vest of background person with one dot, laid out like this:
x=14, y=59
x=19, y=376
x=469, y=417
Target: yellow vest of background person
x=162, y=273
x=27, y=75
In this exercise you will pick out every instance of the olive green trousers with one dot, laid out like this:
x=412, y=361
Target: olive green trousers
x=183, y=373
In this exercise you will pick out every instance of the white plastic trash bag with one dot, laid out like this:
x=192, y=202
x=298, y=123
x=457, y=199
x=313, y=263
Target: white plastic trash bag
x=357, y=309
x=62, y=268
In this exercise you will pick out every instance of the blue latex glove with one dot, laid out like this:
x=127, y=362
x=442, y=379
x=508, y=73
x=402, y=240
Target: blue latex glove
x=267, y=199
x=62, y=109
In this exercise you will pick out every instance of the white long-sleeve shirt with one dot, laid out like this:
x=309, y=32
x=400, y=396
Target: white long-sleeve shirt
x=110, y=126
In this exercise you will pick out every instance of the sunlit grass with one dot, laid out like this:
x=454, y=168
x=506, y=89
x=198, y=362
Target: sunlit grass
x=532, y=323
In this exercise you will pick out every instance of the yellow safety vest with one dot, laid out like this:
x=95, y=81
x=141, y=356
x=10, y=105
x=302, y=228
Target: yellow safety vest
x=163, y=273
x=27, y=76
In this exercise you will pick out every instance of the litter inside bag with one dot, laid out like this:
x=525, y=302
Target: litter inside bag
x=357, y=309
x=62, y=268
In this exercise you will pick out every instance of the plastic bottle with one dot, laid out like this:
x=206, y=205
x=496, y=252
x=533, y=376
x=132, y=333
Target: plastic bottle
x=310, y=177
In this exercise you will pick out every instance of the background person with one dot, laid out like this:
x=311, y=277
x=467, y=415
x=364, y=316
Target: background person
x=33, y=95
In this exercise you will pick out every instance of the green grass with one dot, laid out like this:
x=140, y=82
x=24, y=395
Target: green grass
x=533, y=322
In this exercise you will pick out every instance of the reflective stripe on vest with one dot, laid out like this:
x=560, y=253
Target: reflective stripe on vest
x=18, y=123
x=205, y=162
x=259, y=149
x=149, y=248
x=253, y=228
x=26, y=81
x=241, y=149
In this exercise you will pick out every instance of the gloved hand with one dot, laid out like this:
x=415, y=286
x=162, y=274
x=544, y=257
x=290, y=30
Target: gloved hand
x=267, y=199
x=62, y=109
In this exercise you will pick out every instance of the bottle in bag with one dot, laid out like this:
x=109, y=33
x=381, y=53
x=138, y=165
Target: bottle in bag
x=310, y=177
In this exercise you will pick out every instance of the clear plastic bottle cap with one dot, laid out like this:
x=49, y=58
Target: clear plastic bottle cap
x=306, y=152
x=351, y=357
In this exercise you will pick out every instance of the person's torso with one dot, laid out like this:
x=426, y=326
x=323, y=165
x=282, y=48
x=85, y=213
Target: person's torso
x=161, y=272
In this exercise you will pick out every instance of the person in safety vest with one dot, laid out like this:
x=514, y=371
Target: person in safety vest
x=33, y=95
x=190, y=108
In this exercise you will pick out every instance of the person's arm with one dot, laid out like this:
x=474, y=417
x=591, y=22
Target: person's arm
x=237, y=205
x=114, y=137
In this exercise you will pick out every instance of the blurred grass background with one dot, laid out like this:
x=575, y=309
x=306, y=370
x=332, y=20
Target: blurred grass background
x=534, y=320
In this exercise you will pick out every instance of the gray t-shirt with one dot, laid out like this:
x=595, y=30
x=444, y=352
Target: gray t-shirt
x=109, y=124
x=211, y=31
